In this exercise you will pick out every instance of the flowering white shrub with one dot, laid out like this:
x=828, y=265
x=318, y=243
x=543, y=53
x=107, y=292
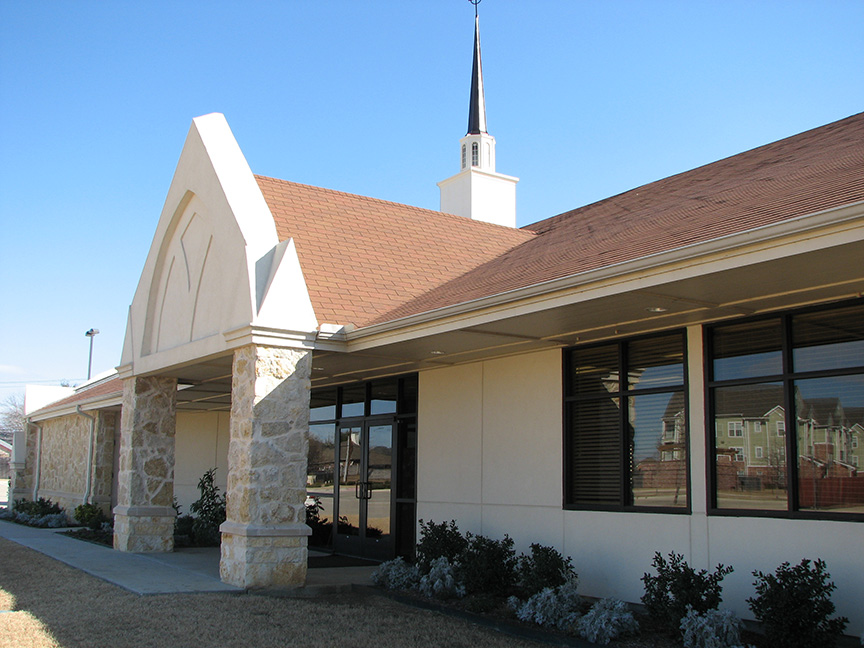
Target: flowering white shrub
x=551, y=607
x=51, y=521
x=441, y=581
x=396, y=574
x=713, y=629
x=608, y=619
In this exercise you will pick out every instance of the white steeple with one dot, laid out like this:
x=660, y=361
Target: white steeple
x=478, y=191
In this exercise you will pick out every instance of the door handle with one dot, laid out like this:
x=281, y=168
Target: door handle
x=357, y=494
x=368, y=492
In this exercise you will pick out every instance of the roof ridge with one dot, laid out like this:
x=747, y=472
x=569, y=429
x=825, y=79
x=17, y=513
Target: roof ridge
x=455, y=217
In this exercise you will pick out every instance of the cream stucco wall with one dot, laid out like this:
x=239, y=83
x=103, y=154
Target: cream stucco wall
x=490, y=456
x=201, y=443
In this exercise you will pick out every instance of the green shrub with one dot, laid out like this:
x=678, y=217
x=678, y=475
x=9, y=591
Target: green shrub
x=488, y=566
x=794, y=604
x=90, y=516
x=439, y=541
x=209, y=512
x=545, y=567
x=39, y=508
x=677, y=586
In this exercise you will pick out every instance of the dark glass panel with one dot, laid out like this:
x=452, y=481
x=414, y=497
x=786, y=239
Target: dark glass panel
x=748, y=350
x=830, y=434
x=354, y=400
x=384, y=393
x=322, y=404
x=750, y=447
x=828, y=339
x=349, y=464
x=594, y=370
x=595, y=452
x=656, y=362
x=658, y=442
x=407, y=459
x=321, y=460
x=405, y=525
x=379, y=480
x=408, y=397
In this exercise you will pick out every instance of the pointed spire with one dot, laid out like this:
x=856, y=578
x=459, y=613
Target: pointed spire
x=477, y=107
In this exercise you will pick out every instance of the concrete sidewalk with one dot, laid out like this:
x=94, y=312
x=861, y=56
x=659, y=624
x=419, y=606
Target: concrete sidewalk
x=183, y=571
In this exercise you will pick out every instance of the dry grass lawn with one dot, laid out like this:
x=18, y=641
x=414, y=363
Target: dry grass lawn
x=44, y=603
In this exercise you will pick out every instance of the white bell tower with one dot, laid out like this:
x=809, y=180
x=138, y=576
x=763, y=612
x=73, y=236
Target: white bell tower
x=478, y=191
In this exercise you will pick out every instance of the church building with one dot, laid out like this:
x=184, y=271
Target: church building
x=676, y=368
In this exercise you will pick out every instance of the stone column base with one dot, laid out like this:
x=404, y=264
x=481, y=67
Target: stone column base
x=263, y=556
x=144, y=529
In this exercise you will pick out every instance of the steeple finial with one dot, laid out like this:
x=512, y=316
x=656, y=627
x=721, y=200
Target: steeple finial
x=477, y=105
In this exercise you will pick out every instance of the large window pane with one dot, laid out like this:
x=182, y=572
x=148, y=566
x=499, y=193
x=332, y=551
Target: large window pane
x=594, y=370
x=349, y=464
x=656, y=362
x=320, y=464
x=750, y=445
x=830, y=435
x=828, y=339
x=659, y=449
x=354, y=400
x=595, y=452
x=322, y=405
x=320, y=461
x=384, y=393
x=748, y=350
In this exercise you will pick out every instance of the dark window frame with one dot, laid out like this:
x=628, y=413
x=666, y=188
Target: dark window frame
x=624, y=392
x=787, y=377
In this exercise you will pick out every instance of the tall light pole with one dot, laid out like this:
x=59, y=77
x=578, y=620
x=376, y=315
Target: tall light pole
x=93, y=332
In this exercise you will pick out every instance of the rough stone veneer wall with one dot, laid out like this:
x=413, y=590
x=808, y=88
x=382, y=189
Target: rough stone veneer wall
x=102, y=477
x=22, y=483
x=63, y=460
x=264, y=536
x=143, y=517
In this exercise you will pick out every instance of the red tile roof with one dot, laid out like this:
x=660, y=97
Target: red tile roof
x=368, y=261
x=362, y=257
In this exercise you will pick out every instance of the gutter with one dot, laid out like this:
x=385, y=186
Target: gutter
x=89, y=485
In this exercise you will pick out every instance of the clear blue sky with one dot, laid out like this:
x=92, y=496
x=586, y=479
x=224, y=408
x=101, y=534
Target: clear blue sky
x=585, y=99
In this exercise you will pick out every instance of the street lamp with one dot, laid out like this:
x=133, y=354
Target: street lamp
x=93, y=332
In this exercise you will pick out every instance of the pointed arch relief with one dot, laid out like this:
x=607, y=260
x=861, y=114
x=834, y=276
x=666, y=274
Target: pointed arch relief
x=196, y=280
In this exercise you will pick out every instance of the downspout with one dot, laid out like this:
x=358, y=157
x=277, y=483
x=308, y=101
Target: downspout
x=37, y=469
x=89, y=453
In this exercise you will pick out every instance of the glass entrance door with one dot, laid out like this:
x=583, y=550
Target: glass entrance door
x=365, y=497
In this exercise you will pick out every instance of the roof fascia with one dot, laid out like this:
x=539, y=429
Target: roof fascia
x=625, y=276
x=88, y=405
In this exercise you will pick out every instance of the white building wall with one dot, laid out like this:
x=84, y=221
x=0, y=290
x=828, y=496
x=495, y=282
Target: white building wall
x=490, y=456
x=201, y=443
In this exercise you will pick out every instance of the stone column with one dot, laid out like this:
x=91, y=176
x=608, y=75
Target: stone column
x=264, y=536
x=144, y=517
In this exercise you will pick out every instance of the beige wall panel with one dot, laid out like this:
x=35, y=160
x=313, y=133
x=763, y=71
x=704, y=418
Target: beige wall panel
x=201, y=443
x=525, y=524
x=449, y=444
x=522, y=430
x=749, y=544
x=611, y=551
x=469, y=517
